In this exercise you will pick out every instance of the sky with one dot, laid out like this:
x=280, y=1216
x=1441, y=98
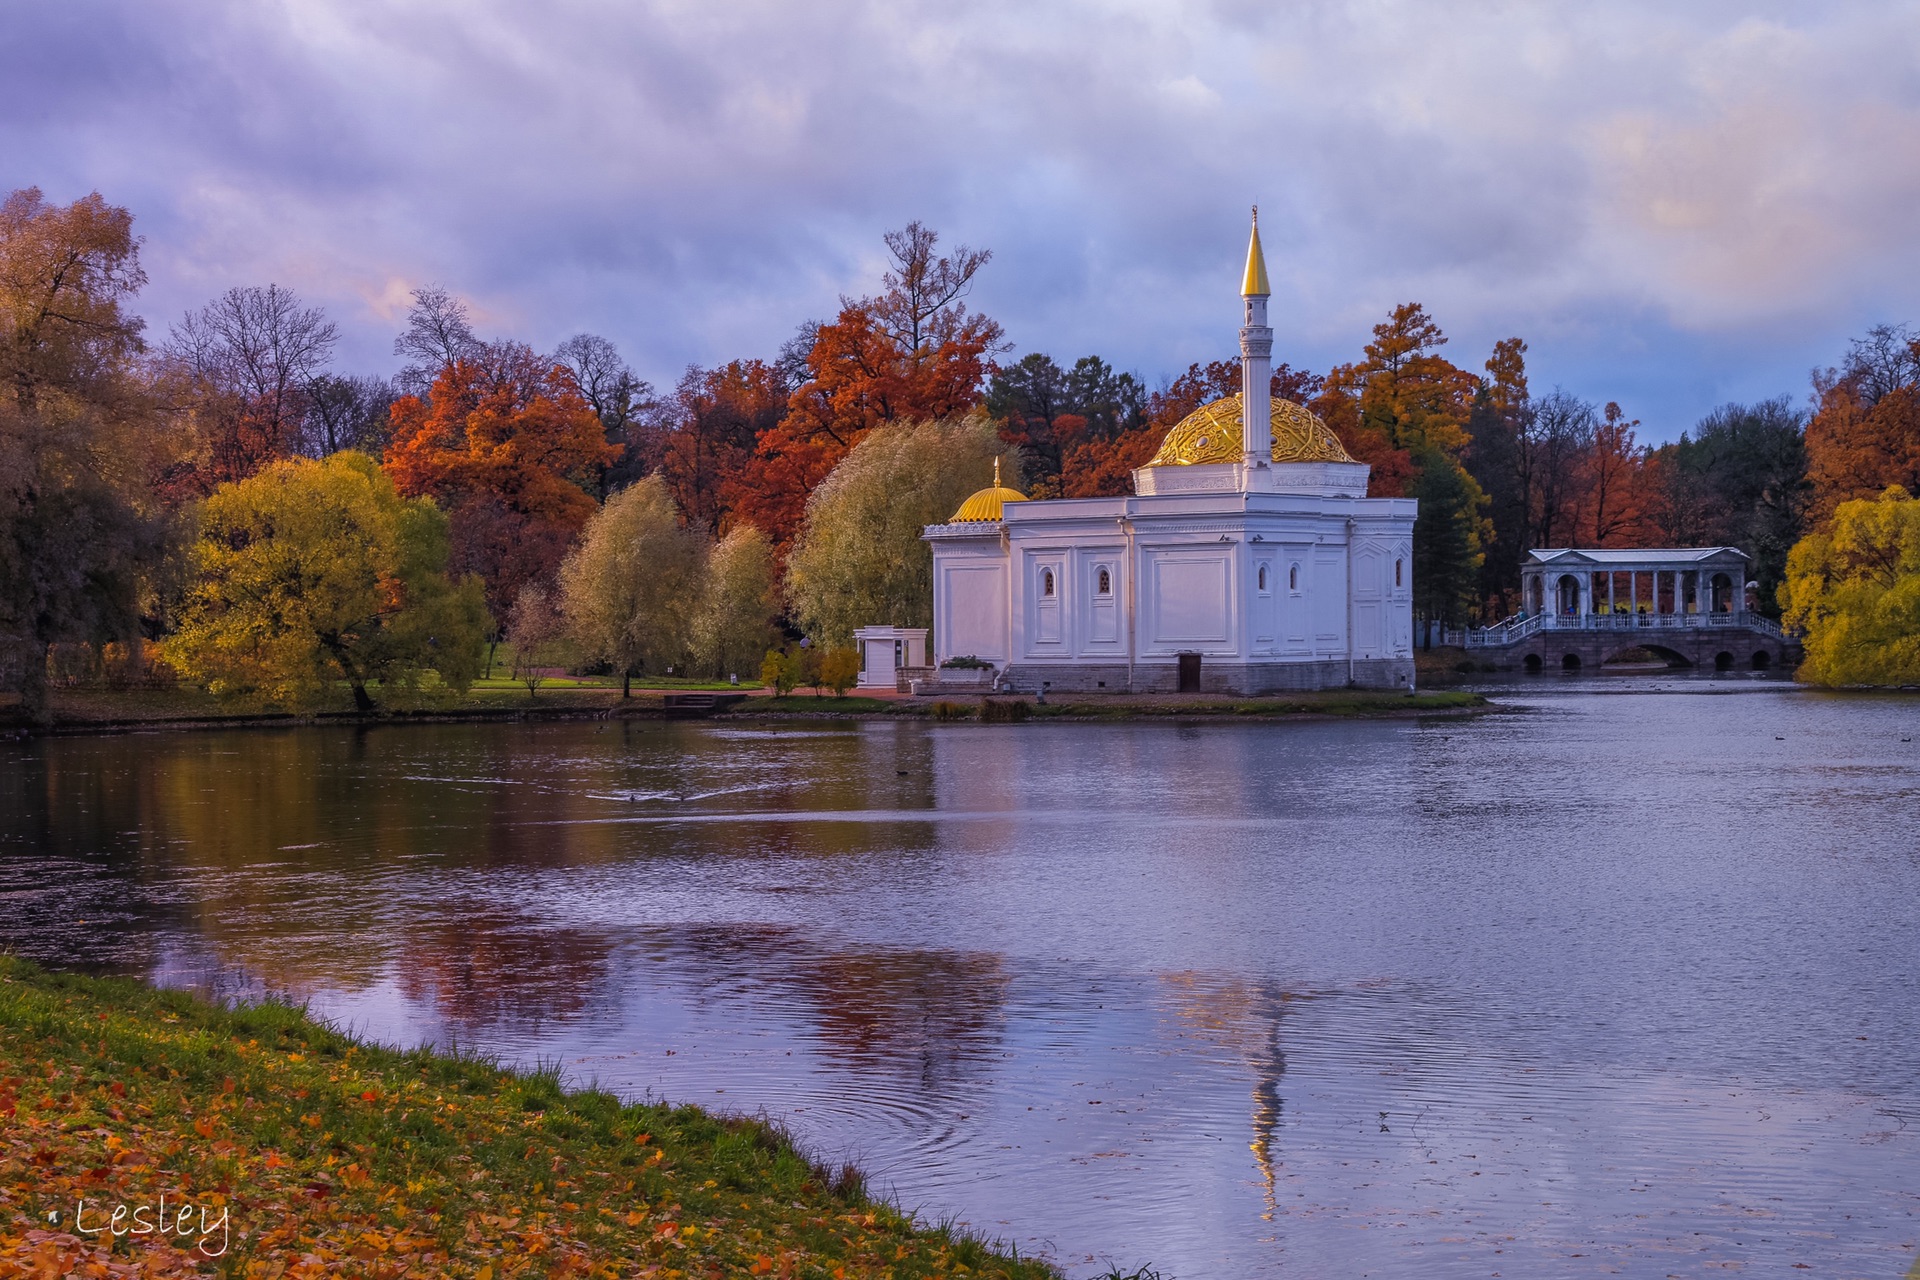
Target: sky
x=1674, y=204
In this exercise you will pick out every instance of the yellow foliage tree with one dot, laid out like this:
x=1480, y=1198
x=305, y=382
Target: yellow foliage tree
x=312, y=573
x=860, y=560
x=1853, y=590
x=734, y=625
x=630, y=590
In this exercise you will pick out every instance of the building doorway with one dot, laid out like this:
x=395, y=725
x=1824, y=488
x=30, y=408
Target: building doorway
x=1189, y=673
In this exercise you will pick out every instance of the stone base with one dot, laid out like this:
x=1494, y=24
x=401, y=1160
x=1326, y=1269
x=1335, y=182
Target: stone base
x=1246, y=679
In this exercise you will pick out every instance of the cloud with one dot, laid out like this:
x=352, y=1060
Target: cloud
x=1674, y=204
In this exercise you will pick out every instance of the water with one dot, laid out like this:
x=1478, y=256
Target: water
x=1618, y=984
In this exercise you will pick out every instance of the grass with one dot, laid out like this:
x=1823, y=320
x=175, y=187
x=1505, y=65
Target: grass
x=327, y=1156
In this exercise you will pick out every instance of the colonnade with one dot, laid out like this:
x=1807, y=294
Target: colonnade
x=1687, y=591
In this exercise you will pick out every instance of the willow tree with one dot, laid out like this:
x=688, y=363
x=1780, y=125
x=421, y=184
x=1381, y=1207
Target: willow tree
x=734, y=625
x=859, y=559
x=1853, y=591
x=308, y=574
x=631, y=588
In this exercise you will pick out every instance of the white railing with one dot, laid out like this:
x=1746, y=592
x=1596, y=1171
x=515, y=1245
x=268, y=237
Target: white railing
x=1514, y=630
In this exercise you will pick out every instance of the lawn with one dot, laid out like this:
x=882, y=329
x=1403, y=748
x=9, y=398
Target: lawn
x=294, y=1150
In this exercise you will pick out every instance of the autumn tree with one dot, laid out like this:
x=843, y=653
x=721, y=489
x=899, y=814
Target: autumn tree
x=630, y=591
x=510, y=449
x=860, y=559
x=1497, y=426
x=1852, y=590
x=1865, y=434
x=734, y=624
x=312, y=573
x=618, y=397
x=81, y=536
x=346, y=412
x=1610, y=483
x=245, y=362
x=1063, y=420
x=1739, y=478
x=439, y=335
x=912, y=353
x=535, y=629
x=1553, y=454
x=706, y=431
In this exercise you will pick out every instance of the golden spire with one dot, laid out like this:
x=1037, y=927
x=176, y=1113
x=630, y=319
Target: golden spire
x=996, y=471
x=1255, y=284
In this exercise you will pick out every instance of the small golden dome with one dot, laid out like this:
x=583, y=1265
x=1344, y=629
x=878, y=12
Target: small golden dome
x=1211, y=433
x=987, y=504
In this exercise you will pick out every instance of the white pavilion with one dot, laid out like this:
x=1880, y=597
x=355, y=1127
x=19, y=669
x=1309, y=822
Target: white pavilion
x=1249, y=560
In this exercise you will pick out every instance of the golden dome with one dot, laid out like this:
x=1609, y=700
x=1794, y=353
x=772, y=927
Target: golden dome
x=987, y=504
x=1211, y=433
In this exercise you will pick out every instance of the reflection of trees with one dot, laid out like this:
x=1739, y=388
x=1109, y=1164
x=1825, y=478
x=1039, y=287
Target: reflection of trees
x=1245, y=1018
x=486, y=965
x=939, y=1011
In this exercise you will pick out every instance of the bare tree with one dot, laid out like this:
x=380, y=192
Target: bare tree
x=439, y=332
x=1557, y=439
x=923, y=295
x=1885, y=361
x=346, y=413
x=261, y=349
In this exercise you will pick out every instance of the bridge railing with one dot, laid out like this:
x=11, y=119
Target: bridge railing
x=1514, y=630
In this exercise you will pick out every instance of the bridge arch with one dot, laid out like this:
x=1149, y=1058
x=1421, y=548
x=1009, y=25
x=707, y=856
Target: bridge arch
x=1762, y=660
x=1532, y=664
x=1723, y=661
x=1672, y=657
x=1570, y=662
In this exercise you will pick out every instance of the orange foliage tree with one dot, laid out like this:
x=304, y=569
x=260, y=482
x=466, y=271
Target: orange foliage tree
x=1865, y=434
x=705, y=434
x=507, y=445
x=912, y=354
x=1403, y=398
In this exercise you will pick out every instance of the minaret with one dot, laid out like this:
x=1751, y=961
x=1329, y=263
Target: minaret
x=1256, y=357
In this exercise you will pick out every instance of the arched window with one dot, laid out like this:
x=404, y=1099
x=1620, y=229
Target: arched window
x=1293, y=577
x=1046, y=582
x=1263, y=577
x=1105, y=586
x=1397, y=571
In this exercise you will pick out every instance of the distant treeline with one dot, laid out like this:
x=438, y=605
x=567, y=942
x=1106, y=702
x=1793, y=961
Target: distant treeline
x=112, y=441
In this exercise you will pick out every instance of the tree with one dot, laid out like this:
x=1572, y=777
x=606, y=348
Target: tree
x=81, y=537
x=617, y=397
x=1063, y=420
x=1739, y=478
x=439, y=335
x=533, y=630
x=859, y=559
x=1853, y=590
x=1610, y=483
x=913, y=353
x=346, y=413
x=1448, y=534
x=1497, y=425
x=1553, y=454
x=780, y=672
x=839, y=669
x=630, y=589
x=512, y=451
x=309, y=573
x=707, y=431
x=1866, y=432
x=738, y=604
x=64, y=274
x=247, y=360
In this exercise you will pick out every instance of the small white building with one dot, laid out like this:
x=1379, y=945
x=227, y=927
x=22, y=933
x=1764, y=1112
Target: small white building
x=885, y=650
x=1248, y=560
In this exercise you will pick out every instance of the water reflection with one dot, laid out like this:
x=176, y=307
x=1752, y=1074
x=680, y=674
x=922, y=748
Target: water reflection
x=1606, y=982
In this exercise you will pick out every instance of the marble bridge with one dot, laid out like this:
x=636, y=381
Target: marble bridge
x=1691, y=606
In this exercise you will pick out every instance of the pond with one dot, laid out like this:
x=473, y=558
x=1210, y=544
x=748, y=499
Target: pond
x=1622, y=979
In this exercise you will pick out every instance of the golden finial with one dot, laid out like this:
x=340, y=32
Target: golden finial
x=996, y=471
x=1254, y=285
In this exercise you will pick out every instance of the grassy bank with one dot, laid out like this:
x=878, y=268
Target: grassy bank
x=296, y=1151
